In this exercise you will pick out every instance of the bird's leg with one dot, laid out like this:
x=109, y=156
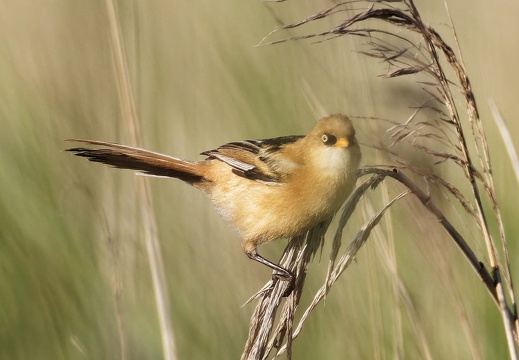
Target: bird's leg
x=250, y=248
x=283, y=274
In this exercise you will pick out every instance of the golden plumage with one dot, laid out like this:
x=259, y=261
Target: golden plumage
x=267, y=189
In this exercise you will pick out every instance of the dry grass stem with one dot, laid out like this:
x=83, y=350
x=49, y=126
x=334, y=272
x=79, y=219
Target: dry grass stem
x=295, y=258
x=129, y=111
x=507, y=139
x=116, y=288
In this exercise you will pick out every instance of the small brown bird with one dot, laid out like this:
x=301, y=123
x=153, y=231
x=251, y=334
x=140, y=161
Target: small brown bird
x=267, y=189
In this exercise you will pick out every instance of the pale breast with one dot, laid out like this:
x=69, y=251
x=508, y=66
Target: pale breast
x=262, y=212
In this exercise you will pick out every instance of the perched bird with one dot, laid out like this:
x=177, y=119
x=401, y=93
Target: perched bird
x=267, y=189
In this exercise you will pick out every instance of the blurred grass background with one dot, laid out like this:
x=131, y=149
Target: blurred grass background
x=68, y=227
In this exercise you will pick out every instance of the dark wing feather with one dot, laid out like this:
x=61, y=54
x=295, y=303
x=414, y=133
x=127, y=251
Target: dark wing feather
x=254, y=159
x=275, y=144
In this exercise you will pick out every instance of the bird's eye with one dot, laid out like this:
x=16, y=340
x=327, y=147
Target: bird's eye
x=328, y=139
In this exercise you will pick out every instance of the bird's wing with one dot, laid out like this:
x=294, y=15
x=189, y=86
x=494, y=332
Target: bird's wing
x=260, y=160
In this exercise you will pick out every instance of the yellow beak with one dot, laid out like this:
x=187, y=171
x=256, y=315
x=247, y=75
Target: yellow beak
x=342, y=143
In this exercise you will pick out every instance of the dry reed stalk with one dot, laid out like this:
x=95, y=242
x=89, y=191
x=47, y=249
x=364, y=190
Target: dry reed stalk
x=129, y=112
x=410, y=47
x=507, y=139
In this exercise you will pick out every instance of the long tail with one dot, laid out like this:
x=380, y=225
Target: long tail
x=144, y=161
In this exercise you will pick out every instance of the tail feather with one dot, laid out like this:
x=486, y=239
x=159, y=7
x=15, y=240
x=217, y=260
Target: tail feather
x=147, y=162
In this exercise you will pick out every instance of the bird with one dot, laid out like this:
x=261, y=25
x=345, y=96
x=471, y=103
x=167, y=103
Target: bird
x=267, y=188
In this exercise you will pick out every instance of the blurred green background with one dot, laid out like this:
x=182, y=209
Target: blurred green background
x=70, y=230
